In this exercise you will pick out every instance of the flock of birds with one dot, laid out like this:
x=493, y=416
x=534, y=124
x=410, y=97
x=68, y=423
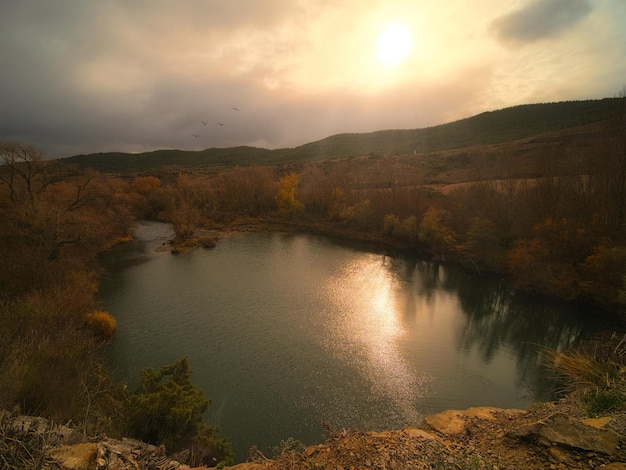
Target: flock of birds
x=221, y=124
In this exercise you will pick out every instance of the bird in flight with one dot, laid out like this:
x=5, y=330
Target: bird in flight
x=236, y=109
x=221, y=124
x=196, y=135
x=204, y=123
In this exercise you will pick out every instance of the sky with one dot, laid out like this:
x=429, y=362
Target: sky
x=85, y=76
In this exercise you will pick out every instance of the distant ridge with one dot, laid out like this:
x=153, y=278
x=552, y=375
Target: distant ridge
x=490, y=127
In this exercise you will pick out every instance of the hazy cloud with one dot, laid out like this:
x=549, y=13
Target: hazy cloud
x=86, y=76
x=540, y=19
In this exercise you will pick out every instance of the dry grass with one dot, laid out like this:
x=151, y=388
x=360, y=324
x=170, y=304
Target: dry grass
x=21, y=448
x=102, y=323
x=600, y=382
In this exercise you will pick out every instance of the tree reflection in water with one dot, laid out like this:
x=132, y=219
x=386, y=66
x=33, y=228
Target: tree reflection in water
x=497, y=319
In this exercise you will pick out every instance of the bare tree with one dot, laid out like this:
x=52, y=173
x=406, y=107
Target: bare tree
x=24, y=170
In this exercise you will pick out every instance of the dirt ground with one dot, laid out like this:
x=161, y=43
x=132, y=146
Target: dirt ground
x=479, y=438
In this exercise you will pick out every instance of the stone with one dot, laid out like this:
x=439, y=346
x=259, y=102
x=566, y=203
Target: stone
x=246, y=466
x=453, y=422
x=54, y=433
x=448, y=422
x=565, y=431
x=416, y=433
x=598, y=422
x=76, y=457
x=481, y=412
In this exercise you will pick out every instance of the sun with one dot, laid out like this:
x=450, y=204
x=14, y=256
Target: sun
x=394, y=44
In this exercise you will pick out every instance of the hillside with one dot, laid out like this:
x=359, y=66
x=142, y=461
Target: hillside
x=487, y=128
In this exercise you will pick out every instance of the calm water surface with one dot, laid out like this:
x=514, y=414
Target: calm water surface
x=285, y=332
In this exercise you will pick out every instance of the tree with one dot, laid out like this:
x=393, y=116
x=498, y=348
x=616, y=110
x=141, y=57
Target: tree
x=603, y=274
x=245, y=190
x=24, y=171
x=435, y=232
x=317, y=190
x=182, y=210
x=485, y=244
x=167, y=409
x=151, y=196
x=391, y=224
x=288, y=205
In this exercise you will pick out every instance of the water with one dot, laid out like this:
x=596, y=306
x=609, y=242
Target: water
x=286, y=332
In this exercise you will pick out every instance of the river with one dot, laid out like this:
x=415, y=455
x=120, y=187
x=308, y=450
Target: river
x=285, y=332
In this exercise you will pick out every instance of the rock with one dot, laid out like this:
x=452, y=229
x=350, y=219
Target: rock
x=615, y=466
x=416, y=433
x=127, y=453
x=448, y=422
x=246, y=466
x=453, y=422
x=54, y=433
x=482, y=412
x=597, y=422
x=565, y=431
x=76, y=457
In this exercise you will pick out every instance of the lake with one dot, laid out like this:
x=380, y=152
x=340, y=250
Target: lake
x=286, y=332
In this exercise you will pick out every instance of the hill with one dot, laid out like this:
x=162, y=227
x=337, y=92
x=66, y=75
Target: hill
x=487, y=128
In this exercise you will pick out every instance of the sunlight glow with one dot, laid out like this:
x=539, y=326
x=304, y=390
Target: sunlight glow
x=367, y=328
x=394, y=44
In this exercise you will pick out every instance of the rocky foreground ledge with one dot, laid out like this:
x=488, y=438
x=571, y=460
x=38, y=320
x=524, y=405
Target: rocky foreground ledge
x=555, y=435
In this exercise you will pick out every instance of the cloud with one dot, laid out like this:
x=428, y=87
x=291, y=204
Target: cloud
x=81, y=77
x=541, y=19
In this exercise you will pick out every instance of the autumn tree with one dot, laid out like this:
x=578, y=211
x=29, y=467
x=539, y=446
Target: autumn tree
x=182, y=206
x=288, y=205
x=613, y=186
x=485, y=245
x=54, y=223
x=435, y=233
x=406, y=229
x=544, y=263
x=316, y=191
x=603, y=275
x=151, y=196
x=247, y=191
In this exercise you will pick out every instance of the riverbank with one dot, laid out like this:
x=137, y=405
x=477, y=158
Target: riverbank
x=554, y=435
x=207, y=235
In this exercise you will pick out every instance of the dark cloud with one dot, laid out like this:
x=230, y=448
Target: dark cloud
x=541, y=19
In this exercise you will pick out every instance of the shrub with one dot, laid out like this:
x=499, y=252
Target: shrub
x=167, y=409
x=102, y=324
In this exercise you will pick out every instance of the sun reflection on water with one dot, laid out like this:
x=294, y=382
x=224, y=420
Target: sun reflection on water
x=365, y=327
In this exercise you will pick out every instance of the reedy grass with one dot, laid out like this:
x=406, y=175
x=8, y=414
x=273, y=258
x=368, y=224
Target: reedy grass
x=600, y=382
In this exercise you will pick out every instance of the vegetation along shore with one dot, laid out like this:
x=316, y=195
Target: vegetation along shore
x=535, y=193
